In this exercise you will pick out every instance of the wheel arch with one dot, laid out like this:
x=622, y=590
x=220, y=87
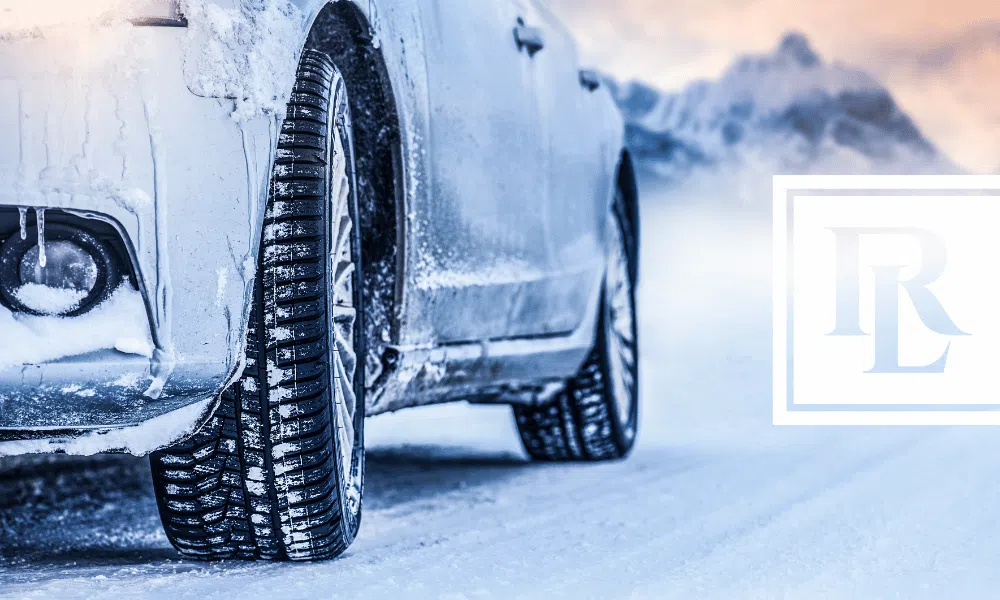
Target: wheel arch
x=627, y=181
x=343, y=32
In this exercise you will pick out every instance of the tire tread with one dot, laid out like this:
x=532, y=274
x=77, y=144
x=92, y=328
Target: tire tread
x=260, y=480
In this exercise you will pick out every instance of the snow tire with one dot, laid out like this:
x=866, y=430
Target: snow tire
x=595, y=417
x=274, y=474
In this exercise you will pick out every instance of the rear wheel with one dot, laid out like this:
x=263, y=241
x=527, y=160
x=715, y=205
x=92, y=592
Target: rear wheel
x=596, y=416
x=278, y=472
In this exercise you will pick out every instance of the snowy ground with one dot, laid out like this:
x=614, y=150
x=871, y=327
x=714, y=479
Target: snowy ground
x=715, y=503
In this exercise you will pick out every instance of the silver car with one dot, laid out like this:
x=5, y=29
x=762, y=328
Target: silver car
x=232, y=229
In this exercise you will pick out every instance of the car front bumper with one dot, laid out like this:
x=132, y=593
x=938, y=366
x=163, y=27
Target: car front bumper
x=103, y=124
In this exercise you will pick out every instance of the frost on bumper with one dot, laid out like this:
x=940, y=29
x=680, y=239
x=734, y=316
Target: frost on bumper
x=139, y=440
x=168, y=134
x=119, y=324
x=69, y=289
x=102, y=128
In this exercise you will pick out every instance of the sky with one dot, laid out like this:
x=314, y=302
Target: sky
x=940, y=58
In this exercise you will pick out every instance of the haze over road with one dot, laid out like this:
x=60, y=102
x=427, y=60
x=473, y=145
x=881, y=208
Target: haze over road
x=715, y=502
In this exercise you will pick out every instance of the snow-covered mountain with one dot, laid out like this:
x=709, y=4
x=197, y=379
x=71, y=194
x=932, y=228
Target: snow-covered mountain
x=786, y=111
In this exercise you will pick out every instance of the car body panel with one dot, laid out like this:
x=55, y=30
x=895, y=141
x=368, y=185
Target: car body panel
x=517, y=274
x=486, y=154
x=138, y=150
x=579, y=176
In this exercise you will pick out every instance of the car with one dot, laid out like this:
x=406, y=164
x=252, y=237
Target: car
x=231, y=231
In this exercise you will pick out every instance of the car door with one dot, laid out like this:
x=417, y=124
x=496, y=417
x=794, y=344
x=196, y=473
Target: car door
x=483, y=255
x=577, y=178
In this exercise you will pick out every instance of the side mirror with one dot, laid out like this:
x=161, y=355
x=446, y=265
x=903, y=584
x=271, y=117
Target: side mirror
x=590, y=80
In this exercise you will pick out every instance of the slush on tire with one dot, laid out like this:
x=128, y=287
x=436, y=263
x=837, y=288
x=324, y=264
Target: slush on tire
x=278, y=471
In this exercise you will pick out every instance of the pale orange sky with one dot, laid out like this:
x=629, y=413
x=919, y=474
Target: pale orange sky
x=941, y=58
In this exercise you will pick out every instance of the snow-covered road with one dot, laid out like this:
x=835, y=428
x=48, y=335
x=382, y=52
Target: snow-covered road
x=715, y=503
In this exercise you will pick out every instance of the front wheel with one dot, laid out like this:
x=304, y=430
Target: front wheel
x=278, y=472
x=596, y=416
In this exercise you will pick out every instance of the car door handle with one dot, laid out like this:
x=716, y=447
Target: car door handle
x=528, y=38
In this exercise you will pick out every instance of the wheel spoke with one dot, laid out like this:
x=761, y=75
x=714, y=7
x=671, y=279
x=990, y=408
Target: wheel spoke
x=345, y=354
x=343, y=288
x=621, y=324
x=343, y=313
x=346, y=401
x=344, y=230
x=627, y=354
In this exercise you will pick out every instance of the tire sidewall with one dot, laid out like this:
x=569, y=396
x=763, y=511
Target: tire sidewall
x=340, y=124
x=625, y=433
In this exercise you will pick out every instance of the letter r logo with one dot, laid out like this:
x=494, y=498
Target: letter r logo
x=887, y=284
x=879, y=280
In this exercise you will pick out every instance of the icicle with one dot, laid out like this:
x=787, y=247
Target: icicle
x=24, y=222
x=40, y=215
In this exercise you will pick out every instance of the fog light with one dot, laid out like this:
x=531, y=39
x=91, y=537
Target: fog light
x=67, y=274
x=68, y=277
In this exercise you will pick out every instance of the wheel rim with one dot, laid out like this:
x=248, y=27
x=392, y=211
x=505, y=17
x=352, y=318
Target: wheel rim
x=620, y=328
x=344, y=314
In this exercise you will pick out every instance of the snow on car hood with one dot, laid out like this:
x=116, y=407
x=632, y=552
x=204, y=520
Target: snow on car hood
x=243, y=53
